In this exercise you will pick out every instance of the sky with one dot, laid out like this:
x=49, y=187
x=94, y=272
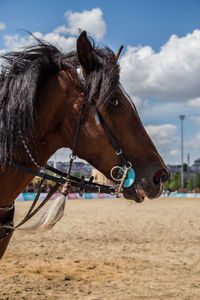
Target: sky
x=160, y=62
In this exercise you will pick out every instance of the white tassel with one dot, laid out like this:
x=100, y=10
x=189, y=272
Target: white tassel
x=50, y=216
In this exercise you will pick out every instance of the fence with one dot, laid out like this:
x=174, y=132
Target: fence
x=31, y=196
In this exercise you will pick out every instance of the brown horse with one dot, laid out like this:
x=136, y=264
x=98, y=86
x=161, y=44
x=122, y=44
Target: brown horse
x=41, y=92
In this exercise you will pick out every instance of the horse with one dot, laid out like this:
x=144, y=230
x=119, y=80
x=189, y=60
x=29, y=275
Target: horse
x=42, y=91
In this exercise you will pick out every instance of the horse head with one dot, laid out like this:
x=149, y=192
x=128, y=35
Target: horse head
x=103, y=93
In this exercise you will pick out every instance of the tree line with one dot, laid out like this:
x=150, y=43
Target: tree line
x=175, y=182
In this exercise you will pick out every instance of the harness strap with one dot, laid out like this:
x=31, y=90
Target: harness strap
x=36, y=173
x=7, y=208
x=5, y=229
x=33, y=204
x=88, y=185
x=76, y=182
x=67, y=185
x=80, y=118
x=7, y=214
x=32, y=212
x=113, y=140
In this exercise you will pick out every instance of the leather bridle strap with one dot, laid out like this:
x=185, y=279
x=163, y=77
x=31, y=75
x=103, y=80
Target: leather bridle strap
x=89, y=186
x=7, y=214
x=67, y=186
x=36, y=173
x=112, y=139
x=80, y=118
x=31, y=211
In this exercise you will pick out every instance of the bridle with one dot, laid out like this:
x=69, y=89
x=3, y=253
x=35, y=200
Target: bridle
x=124, y=175
x=84, y=185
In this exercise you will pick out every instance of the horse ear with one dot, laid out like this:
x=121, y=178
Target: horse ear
x=117, y=55
x=84, y=51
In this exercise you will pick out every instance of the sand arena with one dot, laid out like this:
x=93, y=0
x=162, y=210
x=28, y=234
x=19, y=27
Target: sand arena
x=108, y=249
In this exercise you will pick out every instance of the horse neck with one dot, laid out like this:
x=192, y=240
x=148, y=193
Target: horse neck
x=54, y=107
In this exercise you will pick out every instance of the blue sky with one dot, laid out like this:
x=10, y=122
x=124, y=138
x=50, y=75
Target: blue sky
x=160, y=64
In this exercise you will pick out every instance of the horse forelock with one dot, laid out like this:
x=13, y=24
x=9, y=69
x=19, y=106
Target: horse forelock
x=102, y=82
x=23, y=75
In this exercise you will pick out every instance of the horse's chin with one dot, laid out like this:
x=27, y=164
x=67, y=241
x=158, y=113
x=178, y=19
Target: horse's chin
x=134, y=193
x=138, y=194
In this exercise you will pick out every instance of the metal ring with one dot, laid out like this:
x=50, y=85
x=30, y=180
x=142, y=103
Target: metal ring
x=73, y=157
x=99, y=189
x=120, y=152
x=111, y=173
x=130, y=165
x=7, y=208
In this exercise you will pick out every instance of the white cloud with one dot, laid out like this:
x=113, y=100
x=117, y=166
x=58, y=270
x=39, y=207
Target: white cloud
x=89, y=20
x=172, y=73
x=196, y=119
x=66, y=44
x=2, y=26
x=63, y=155
x=140, y=103
x=165, y=139
x=194, y=142
x=193, y=145
x=14, y=42
x=161, y=134
x=194, y=102
x=174, y=153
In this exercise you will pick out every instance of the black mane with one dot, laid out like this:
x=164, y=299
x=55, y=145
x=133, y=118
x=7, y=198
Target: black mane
x=22, y=76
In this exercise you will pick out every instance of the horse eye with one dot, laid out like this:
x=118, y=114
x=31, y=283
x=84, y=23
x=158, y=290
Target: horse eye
x=114, y=102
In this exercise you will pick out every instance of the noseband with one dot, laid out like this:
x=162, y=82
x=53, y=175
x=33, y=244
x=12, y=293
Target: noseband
x=124, y=175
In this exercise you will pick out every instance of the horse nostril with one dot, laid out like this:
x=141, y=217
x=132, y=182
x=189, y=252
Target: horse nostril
x=160, y=177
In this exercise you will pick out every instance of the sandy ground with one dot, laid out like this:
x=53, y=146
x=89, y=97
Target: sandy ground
x=108, y=249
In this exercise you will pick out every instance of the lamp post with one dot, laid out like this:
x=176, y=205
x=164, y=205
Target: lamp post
x=188, y=162
x=55, y=160
x=182, y=117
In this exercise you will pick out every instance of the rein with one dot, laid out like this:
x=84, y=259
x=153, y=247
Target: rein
x=125, y=175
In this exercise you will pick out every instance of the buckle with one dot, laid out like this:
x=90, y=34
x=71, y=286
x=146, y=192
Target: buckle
x=6, y=229
x=72, y=157
x=120, y=152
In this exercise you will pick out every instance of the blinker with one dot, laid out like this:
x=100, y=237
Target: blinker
x=130, y=176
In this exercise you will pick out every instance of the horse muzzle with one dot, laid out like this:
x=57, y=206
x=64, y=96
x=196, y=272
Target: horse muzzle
x=147, y=188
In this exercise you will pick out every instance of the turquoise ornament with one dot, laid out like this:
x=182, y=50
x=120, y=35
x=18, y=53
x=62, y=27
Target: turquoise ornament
x=130, y=176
